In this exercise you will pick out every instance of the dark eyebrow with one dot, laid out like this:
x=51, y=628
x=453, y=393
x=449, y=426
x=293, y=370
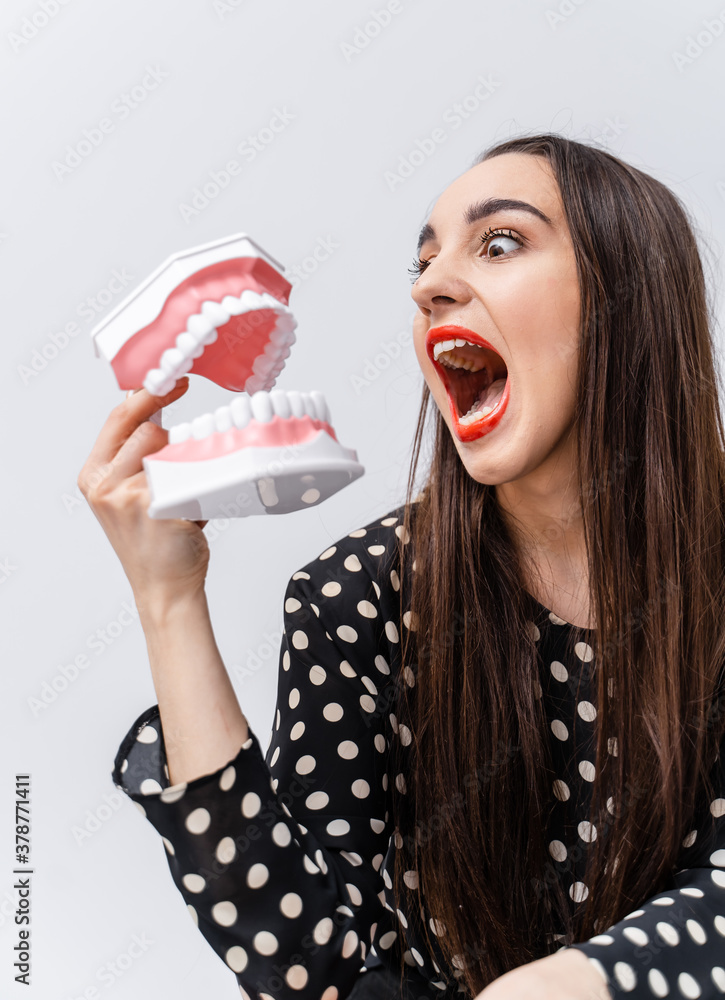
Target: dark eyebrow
x=482, y=209
x=426, y=233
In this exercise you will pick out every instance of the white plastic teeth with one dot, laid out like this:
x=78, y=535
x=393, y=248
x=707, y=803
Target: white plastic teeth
x=442, y=351
x=201, y=330
x=262, y=407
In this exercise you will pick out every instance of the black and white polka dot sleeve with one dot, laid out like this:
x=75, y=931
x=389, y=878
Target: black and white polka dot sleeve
x=277, y=856
x=674, y=944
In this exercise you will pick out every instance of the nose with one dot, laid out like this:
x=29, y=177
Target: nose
x=439, y=286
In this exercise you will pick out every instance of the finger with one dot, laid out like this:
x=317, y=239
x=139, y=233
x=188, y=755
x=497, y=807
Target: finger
x=155, y=418
x=139, y=483
x=147, y=439
x=128, y=460
x=124, y=419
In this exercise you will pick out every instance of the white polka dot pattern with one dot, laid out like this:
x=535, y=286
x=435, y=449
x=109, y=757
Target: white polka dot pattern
x=297, y=843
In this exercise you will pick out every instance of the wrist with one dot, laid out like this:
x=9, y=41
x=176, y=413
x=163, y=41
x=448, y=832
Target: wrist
x=161, y=610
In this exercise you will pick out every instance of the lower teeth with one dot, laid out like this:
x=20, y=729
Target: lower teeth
x=474, y=415
x=478, y=410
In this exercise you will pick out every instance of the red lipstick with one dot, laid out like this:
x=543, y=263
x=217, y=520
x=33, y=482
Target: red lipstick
x=483, y=425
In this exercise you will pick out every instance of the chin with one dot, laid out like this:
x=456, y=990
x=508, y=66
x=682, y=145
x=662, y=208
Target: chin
x=484, y=472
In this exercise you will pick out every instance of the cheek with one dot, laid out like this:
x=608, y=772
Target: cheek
x=565, y=300
x=429, y=373
x=563, y=326
x=421, y=354
x=419, y=347
x=541, y=327
x=438, y=393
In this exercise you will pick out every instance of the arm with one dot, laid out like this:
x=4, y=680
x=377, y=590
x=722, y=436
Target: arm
x=269, y=892
x=671, y=946
x=203, y=724
x=674, y=944
x=566, y=975
x=166, y=562
x=278, y=857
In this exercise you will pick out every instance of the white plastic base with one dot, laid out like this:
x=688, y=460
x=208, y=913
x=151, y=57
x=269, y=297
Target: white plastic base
x=251, y=480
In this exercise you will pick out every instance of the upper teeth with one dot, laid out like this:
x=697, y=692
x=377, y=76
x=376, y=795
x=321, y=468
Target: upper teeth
x=452, y=360
x=201, y=330
x=262, y=407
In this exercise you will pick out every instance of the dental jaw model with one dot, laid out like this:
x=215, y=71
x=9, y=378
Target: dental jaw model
x=221, y=310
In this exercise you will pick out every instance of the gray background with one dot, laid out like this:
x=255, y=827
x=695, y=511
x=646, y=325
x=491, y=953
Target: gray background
x=625, y=75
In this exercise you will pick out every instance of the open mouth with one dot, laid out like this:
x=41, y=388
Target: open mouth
x=475, y=378
x=221, y=310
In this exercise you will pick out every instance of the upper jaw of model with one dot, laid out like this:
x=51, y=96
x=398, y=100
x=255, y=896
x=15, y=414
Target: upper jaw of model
x=229, y=294
x=221, y=310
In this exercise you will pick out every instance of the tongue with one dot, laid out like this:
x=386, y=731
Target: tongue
x=492, y=395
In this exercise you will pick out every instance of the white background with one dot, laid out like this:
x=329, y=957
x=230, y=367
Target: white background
x=595, y=71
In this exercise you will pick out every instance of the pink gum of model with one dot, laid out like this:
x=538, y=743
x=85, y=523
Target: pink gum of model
x=221, y=311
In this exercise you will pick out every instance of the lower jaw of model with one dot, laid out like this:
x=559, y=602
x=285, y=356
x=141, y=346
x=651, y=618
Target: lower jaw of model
x=221, y=311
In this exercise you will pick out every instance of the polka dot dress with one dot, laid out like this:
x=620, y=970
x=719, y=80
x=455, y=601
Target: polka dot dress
x=285, y=859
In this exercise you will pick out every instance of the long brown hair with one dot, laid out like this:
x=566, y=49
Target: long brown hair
x=651, y=480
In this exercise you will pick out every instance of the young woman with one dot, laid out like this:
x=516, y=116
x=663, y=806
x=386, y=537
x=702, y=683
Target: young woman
x=494, y=767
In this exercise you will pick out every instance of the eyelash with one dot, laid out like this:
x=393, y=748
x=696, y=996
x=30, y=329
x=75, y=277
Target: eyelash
x=420, y=265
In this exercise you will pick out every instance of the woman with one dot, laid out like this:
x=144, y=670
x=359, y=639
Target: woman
x=499, y=707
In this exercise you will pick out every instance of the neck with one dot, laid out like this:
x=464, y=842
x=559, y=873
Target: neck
x=549, y=527
x=543, y=512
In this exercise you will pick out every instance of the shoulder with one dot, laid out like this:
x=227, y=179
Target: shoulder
x=363, y=558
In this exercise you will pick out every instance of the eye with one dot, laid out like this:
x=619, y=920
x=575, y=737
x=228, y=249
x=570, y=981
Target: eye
x=500, y=242
x=417, y=269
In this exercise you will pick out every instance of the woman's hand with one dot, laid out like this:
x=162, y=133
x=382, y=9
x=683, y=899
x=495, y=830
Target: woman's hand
x=164, y=559
x=565, y=975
